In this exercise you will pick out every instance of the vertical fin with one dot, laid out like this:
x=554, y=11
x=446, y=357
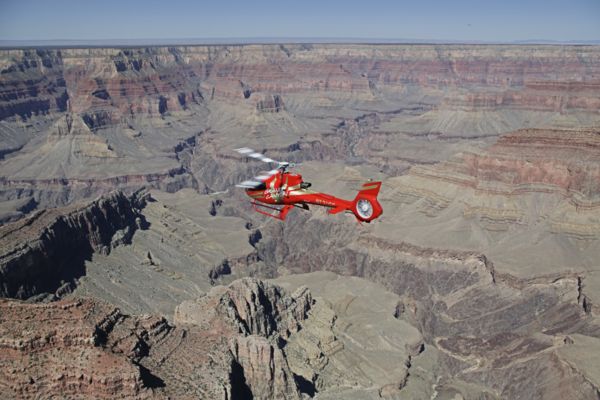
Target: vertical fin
x=370, y=189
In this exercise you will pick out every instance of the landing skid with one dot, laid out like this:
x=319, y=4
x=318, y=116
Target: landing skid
x=279, y=213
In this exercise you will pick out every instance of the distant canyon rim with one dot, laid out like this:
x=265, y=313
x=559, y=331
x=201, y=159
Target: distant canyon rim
x=131, y=266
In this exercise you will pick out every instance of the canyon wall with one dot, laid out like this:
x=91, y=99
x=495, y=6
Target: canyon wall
x=78, y=122
x=486, y=251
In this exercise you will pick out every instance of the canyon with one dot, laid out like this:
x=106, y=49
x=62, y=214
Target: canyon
x=131, y=266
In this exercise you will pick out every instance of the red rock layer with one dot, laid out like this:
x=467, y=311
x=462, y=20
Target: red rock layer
x=569, y=160
x=57, y=349
x=530, y=160
x=109, y=84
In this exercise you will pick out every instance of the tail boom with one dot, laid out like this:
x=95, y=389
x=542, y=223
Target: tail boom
x=365, y=205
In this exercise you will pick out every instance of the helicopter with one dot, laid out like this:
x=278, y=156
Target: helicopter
x=276, y=192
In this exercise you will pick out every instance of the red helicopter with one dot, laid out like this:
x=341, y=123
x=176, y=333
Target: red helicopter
x=281, y=187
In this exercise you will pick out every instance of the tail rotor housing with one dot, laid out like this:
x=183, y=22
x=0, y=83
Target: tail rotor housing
x=365, y=206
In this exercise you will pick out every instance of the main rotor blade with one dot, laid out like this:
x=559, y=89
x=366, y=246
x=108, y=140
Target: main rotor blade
x=249, y=184
x=257, y=180
x=244, y=150
x=254, y=154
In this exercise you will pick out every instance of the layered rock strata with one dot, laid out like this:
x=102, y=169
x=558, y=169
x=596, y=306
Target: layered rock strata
x=534, y=193
x=161, y=80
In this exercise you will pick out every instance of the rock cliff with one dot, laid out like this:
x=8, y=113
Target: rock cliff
x=44, y=253
x=263, y=316
x=255, y=308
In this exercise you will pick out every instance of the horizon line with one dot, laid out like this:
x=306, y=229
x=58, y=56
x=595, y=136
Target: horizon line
x=28, y=43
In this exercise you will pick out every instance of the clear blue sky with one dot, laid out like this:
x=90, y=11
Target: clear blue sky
x=483, y=20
